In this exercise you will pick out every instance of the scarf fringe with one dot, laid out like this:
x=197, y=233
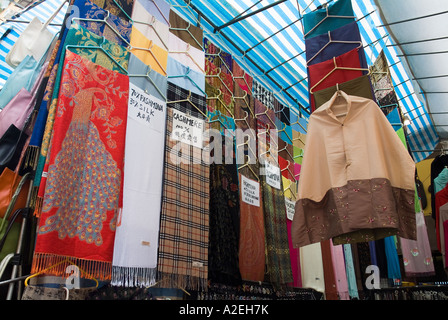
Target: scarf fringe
x=52, y=264
x=133, y=276
x=38, y=205
x=183, y=282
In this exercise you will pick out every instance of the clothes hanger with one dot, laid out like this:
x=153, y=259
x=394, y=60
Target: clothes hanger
x=245, y=102
x=293, y=192
x=297, y=122
x=167, y=20
x=57, y=264
x=287, y=151
x=328, y=15
x=152, y=82
x=330, y=41
x=336, y=67
x=187, y=29
x=104, y=20
x=217, y=75
x=266, y=114
x=220, y=58
x=186, y=75
x=247, y=164
x=130, y=48
x=286, y=133
x=219, y=116
x=188, y=99
x=218, y=98
x=289, y=170
x=187, y=52
x=245, y=118
x=151, y=24
x=122, y=10
x=100, y=47
x=249, y=149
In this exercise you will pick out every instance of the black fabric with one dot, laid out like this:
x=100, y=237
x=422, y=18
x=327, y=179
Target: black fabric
x=11, y=146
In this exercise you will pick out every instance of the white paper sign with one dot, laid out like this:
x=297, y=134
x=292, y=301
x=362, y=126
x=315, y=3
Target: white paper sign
x=290, y=208
x=146, y=108
x=187, y=128
x=272, y=175
x=250, y=191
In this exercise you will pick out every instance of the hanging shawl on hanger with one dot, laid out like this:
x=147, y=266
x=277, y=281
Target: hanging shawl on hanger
x=332, y=17
x=186, y=31
x=84, y=181
x=184, y=219
x=136, y=241
x=76, y=36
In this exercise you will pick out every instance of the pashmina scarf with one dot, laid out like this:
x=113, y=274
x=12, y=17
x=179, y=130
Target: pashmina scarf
x=84, y=181
x=76, y=36
x=186, y=31
x=136, y=241
x=184, y=219
x=223, y=266
x=252, y=260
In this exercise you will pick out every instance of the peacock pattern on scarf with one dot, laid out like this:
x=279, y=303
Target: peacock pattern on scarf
x=84, y=180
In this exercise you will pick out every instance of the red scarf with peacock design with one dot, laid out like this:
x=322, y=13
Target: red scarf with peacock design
x=83, y=190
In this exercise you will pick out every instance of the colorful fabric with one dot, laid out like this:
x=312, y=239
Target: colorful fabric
x=317, y=22
x=351, y=273
x=184, y=219
x=185, y=77
x=252, y=237
x=76, y=36
x=186, y=31
x=144, y=48
x=136, y=240
x=85, y=169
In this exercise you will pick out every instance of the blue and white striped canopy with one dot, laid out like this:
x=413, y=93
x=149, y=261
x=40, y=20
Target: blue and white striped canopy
x=42, y=10
x=266, y=38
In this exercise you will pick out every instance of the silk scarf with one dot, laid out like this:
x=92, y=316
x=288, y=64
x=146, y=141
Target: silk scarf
x=136, y=241
x=252, y=233
x=76, y=36
x=85, y=170
x=184, y=218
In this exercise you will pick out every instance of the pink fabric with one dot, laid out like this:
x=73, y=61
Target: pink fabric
x=337, y=255
x=297, y=168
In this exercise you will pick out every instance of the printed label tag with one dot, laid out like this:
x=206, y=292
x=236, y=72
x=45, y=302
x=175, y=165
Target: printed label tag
x=146, y=108
x=250, y=191
x=187, y=128
x=272, y=175
x=290, y=208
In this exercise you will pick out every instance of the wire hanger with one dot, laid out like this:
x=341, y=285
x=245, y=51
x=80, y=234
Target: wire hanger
x=130, y=48
x=104, y=20
x=244, y=98
x=244, y=119
x=336, y=67
x=330, y=41
x=151, y=24
x=187, y=52
x=265, y=113
x=100, y=47
x=249, y=149
x=218, y=98
x=287, y=151
x=219, y=117
x=122, y=10
x=286, y=133
x=188, y=99
x=187, y=29
x=247, y=164
x=186, y=75
x=289, y=170
x=218, y=75
x=152, y=82
x=328, y=15
x=57, y=264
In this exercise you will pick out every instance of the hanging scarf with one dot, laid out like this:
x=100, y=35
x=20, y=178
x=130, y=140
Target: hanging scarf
x=311, y=266
x=80, y=36
x=224, y=220
x=350, y=270
x=337, y=255
x=277, y=247
x=136, y=241
x=184, y=219
x=186, y=31
x=85, y=170
x=252, y=233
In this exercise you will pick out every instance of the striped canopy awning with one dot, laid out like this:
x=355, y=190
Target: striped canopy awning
x=266, y=38
x=11, y=30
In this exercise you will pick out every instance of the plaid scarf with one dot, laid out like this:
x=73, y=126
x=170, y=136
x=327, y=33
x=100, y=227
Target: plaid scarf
x=184, y=219
x=85, y=170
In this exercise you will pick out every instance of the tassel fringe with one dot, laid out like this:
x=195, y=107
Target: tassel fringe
x=183, y=282
x=51, y=264
x=133, y=277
